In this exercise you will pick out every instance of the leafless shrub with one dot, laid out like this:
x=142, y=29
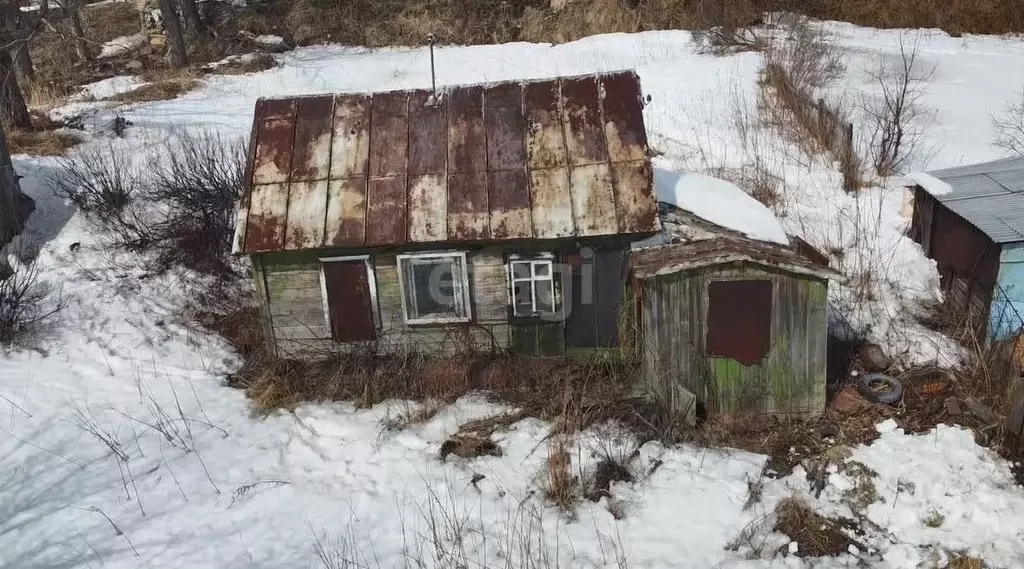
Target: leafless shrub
x=1009, y=126
x=26, y=302
x=198, y=180
x=896, y=120
x=105, y=184
x=561, y=486
x=807, y=53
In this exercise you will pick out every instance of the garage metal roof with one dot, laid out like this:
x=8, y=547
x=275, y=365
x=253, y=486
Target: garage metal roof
x=557, y=158
x=989, y=195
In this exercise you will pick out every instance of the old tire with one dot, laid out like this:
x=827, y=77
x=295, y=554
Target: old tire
x=880, y=388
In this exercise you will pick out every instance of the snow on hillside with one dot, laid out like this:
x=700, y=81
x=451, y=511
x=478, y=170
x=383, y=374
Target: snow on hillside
x=217, y=488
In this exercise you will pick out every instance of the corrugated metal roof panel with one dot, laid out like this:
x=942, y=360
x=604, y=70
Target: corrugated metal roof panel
x=990, y=196
x=555, y=158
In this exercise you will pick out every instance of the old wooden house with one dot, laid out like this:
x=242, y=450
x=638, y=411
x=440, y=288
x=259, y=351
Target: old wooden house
x=496, y=216
x=973, y=226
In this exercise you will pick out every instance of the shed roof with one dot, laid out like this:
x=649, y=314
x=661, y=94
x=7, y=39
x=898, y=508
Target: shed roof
x=557, y=158
x=990, y=196
x=666, y=259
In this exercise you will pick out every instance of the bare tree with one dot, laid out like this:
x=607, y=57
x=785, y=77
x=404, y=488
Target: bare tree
x=896, y=119
x=193, y=21
x=81, y=43
x=13, y=109
x=175, y=39
x=1009, y=126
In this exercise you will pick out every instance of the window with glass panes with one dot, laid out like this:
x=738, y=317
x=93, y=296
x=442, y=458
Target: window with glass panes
x=533, y=286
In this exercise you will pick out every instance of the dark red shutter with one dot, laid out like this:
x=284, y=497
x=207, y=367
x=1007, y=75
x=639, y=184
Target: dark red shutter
x=740, y=320
x=349, y=301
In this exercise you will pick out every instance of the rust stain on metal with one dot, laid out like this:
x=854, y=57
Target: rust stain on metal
x=428, y=134
x=385, y=211
x=552, y=205
x=389, y=139
x=467, y=148
x=503, y=118
x=593, y=200
x=516, y=160
x=623, y=117
x=545, y=143
x=350, y=147
x=346, y=212
x=272, y=161
x=266, y=218
x=509, y=198
x=307, y=201
x=636, y=209
x=582, y=115
x=312, y=147
x=467, y=206
x=427, y=208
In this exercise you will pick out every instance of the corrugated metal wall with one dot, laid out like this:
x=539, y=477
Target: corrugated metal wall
x=790, y=380
x=1007, y=315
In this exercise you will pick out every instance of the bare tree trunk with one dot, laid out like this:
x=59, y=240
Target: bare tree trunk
x=193, y=22
x=81, y=45
x=175, y=40
x=12, y=102
x=14, y=206
x=23, y=62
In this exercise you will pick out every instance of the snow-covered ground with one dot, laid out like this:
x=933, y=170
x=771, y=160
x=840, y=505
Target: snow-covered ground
x=123, y=447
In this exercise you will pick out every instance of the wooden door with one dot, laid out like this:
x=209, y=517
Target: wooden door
x=349, y=300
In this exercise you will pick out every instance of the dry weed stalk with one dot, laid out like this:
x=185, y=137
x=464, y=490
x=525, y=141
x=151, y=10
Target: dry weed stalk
x=1009, y=126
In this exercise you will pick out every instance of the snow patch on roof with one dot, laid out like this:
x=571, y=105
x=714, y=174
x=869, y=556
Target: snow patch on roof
x=720, y=202
x=931, y=184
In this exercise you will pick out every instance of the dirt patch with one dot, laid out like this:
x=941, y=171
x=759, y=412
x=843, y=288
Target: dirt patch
x=110, y=20
x=242, y=64
x=157, y=91
x=815, y=535
x=607, y=472
x=42, y=142
x=467, y=445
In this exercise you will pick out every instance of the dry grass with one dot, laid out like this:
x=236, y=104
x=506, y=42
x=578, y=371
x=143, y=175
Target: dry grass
x=240, y=65
x=467, y=445
x=41, y=142
x=954, y=16
x=816, y=535
x=560, y=486
x=111, y=20
x=157, y=91
x=966, y=562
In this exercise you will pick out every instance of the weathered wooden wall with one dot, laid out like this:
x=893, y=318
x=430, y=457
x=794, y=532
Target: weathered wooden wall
x=790, y=380
x=295, y=315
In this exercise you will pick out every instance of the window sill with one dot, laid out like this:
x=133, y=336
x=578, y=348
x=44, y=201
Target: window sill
x=424, y=322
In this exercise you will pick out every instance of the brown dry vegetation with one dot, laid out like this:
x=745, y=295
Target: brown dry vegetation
x=816, y=535
x=157, y=91
x=41, y=142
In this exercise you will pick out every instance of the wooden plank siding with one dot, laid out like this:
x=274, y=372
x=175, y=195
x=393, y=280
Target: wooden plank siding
x=294, y=307
x=790, y=380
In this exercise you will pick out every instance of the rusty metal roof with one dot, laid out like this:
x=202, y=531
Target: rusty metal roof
x=666, y=259
x=557, y=158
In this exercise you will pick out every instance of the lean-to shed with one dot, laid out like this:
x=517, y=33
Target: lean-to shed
x=495, y=215
x=971, y=221
x=732, y=316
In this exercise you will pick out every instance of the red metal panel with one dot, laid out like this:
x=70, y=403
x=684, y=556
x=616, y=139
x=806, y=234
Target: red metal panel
x=349, y=302
x=428, y=213
x=509, y=199
x=545, y=142
x=506, y=126
x=624, y=117
x=428, y=134
x=346, y=212
x=265, y=230
x=467, y=206
x=275, y=109
x=272, y=161
x=350, y=147
x=551, y=203
x=636, y=208
x=593, y=201
x=312, y=147
x=739, y=320
x=467, y=148
x=386, y=211
x=582, y=116
x=389, y=136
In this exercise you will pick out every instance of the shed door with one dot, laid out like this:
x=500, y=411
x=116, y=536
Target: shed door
x=349, y=301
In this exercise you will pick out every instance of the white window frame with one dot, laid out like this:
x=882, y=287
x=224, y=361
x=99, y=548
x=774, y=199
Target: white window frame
x=540, y=258
x=461, y=283
x=371, y=279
